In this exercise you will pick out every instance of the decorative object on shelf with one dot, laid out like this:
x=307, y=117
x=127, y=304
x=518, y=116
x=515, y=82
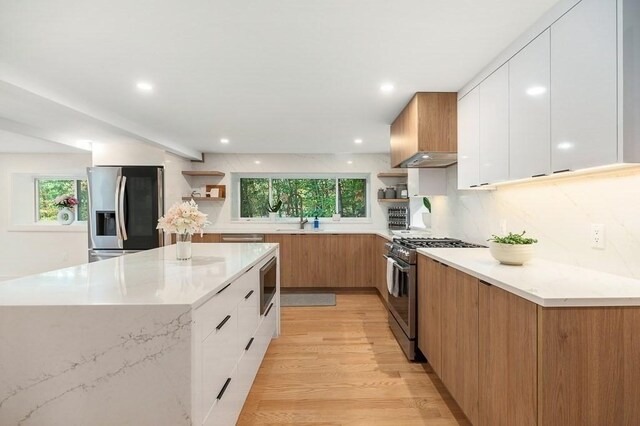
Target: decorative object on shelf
x=67, y=203
x=215, y=191
x=402, y=191
x=381, y=194
x=513, y=249
x=184, y=220
x=426, y=216
x=398, y=217
x=195, y=193
x=390, y=192
x=273, y=210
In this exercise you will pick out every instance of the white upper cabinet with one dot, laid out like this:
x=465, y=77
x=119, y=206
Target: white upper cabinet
x=584, y=87
x=529, y=110
x=469, y=140
x=494, y=127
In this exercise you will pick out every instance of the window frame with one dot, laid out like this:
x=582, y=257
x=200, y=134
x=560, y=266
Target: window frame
x=236, y=207
x=36, y=194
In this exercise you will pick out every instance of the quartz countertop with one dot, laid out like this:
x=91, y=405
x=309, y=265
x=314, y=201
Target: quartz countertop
x=152, y=277
x=543, y=282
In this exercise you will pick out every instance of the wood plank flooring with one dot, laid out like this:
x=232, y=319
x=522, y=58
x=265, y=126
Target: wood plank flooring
x=342, y=366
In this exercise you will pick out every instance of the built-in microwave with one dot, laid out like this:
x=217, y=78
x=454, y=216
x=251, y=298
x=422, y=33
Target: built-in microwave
x=268, y=283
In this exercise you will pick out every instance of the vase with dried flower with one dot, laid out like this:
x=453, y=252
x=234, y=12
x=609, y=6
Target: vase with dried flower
x=184, y=220
x=66, y=203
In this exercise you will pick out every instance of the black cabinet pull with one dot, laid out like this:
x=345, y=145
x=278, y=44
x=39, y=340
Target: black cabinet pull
x=562, y=171
x=224, y=321
x=540, y=175
x=249, y=344
x=485, y=283
x=268, y=310
x=484, y=184
x=224, y=388
x=223, y=288
x=473, y=186
x=248, y=295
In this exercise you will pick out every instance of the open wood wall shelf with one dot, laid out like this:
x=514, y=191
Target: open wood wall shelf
x=202, y=173
x=393, y=200
x=203, y=198
x=392, y=175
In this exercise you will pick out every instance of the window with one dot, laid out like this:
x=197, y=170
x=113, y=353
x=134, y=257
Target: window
x=318, y=196
x=48, y=189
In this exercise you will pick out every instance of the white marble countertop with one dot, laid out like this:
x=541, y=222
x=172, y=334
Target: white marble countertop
x=152, y=277
x=543, y=282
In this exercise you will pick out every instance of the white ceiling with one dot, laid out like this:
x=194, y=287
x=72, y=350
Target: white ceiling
x=17, y=143
x=296, y=76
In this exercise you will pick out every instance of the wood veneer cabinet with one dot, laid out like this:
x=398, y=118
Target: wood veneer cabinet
x=460, y=340
x=380, y=266
x=507, y=361
x=427, y=124
x=430, y=291
x=325, y=260
x=589, y=366
x=507, y=358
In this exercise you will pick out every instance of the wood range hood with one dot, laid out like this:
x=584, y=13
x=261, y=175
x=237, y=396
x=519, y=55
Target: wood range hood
x=425, y=133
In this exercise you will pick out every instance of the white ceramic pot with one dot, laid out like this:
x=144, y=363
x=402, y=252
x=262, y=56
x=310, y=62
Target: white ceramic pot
x=426, y=220
x=273, y=216
x=512, y=254
x=66, y=216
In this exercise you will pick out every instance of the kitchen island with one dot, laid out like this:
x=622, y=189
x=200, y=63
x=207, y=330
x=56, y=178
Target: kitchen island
x=142, y=339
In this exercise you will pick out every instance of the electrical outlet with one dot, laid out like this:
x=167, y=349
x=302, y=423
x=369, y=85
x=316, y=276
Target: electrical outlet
x=597, y=235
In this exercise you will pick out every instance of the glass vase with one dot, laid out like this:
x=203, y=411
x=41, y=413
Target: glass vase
x=183, y=246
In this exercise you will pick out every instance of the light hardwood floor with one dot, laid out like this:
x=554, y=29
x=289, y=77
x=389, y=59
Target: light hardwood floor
x=342, y=366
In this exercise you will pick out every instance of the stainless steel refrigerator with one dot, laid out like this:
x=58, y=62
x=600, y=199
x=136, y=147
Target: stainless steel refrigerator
x=125, y=204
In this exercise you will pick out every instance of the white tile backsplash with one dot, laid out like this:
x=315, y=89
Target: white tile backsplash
x=559, y=213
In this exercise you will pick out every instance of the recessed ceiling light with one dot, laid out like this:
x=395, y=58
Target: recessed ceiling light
x=257, y=162
x=386, y=88
x=536, y=90
x=565, y=145
x=224, y=140
x=144, y=86
x=358, y=141
x=349, y=162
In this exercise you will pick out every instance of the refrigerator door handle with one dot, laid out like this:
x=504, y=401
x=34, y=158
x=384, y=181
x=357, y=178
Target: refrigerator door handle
x=123, y=226
x=117, y=203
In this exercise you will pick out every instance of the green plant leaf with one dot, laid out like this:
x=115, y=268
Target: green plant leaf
x=426, y=203
x=513, y=239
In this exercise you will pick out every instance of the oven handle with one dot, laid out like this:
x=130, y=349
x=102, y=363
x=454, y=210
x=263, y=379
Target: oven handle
x=397, y=265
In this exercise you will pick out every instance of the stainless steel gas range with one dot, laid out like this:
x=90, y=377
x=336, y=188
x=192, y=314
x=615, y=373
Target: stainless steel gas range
x=402, y=279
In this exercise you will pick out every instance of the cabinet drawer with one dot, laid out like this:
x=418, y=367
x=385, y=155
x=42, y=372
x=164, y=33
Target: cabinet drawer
x=219, y=358
x=228, y=406
x=248, y=318
x=214, y=310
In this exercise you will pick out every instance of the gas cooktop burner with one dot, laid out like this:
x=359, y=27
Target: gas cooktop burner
x=415, y=243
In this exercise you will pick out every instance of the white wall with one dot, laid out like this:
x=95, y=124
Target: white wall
x=23, y=250
x=558, y=213
x=220, y=213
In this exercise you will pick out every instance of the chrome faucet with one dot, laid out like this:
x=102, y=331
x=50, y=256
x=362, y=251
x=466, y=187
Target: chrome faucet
x=303, y=221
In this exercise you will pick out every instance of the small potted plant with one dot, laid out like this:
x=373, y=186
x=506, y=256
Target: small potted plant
x=274, y=209
x=512, y=249
x=426, y=216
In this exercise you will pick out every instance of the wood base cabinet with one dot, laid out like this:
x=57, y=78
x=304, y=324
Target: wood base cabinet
x=380, y=266
x=326, y=260
x=507, y=359
x=460, y=340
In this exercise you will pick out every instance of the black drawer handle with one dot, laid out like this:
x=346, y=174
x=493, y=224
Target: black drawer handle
x=484, y=184
x=248, y=295
x=562, y=171
x=224, y=388
x=249, y=344
x=485, y=283
x=268, y=310
x=474, y=186
x=224, y=321
x=539, y=175
x=223, y=288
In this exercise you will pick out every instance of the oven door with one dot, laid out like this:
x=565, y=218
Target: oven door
x=402, y=299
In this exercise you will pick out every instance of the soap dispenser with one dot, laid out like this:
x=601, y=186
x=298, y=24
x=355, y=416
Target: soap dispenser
x=316, y=224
